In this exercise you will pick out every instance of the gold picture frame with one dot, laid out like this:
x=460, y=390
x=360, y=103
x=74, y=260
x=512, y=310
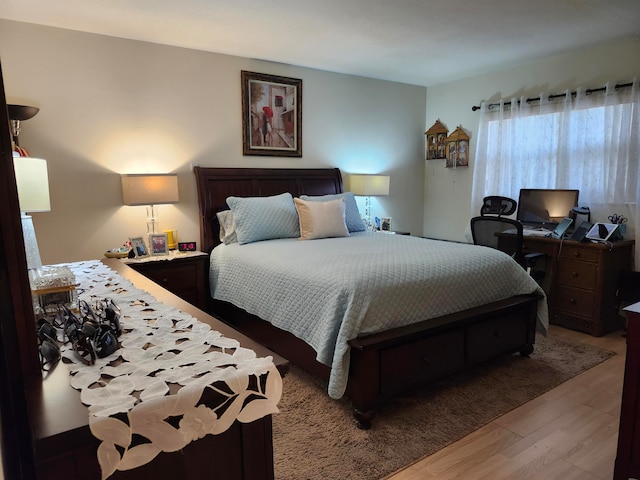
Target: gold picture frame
x=271, y=115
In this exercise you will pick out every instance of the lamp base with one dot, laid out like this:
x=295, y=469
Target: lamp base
x=30, y=242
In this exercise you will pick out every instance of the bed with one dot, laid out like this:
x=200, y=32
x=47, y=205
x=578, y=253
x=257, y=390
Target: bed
x=359, y=332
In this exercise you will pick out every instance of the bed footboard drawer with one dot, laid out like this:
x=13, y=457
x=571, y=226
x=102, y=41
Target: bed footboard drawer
x=488, y=339
x=408, y=365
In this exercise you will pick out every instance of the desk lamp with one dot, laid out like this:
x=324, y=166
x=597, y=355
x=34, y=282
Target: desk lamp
x=368, y=186
x=150, y=190
x=32, y=180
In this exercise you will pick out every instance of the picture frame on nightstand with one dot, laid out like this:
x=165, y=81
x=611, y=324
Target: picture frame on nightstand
x=139, y=247
x=159, y=243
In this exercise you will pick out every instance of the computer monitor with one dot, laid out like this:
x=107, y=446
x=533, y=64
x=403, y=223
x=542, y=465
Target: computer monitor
x=545, y=207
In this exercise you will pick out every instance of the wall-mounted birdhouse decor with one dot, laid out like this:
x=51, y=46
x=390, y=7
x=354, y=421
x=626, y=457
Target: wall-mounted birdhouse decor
x=457, y=148
x=435, y=141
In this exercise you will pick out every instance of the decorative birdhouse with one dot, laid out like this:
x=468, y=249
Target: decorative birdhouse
x=435, y=141
x=457, y=148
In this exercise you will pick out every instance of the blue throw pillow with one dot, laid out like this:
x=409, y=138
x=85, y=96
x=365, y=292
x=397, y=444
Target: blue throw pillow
x=352, y=214
x=264, y=218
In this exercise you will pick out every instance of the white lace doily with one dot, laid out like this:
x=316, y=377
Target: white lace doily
x=128, y=392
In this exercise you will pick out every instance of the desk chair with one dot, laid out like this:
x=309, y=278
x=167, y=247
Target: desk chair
x=493, y=230
x=498, y=206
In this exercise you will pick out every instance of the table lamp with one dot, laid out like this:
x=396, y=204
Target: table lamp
x=32, y=180
x=150, y=190
x=369, y=186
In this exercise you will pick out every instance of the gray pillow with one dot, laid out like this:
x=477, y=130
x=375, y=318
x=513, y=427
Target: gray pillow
x=264, y=218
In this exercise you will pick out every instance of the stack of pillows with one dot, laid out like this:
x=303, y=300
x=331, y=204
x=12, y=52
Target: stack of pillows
x=252, y=219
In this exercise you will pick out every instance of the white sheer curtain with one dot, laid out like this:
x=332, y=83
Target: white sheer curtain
x=589, y=142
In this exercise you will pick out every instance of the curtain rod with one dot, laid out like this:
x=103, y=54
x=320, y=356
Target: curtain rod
x=589, y=91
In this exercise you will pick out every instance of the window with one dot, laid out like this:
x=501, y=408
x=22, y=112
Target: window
x=585, y=142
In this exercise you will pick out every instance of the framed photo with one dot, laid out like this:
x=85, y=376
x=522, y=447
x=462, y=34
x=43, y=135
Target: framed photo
x=271, y=115
x=385, y=224
x=139, y=247
x=159, y=243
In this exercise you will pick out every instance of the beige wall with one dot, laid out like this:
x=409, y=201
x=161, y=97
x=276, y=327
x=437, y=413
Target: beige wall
x=110, y=106
x=447, y=191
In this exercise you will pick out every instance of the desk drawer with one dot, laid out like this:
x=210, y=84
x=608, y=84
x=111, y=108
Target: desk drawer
x=578, y=274
x=580, y=253
x=575, y=300
x=408, y=365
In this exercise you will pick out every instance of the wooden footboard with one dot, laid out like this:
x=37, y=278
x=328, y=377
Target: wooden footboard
x=395, y=361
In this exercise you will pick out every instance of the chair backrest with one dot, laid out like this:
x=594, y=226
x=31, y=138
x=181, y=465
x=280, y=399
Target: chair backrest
x=504, y=234
x=496, y=205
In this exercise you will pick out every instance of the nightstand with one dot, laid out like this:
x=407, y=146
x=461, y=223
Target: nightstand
x=182, y=273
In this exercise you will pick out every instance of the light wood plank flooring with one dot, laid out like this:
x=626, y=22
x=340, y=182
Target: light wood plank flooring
x=568, y=433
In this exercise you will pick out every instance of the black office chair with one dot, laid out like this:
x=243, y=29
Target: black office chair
x=493, y=230
x=495, y=205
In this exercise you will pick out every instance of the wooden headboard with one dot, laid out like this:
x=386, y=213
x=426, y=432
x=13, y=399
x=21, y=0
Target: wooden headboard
x=216, y=184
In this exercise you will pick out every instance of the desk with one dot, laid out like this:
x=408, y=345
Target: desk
x=65, y=448
x=581, y=281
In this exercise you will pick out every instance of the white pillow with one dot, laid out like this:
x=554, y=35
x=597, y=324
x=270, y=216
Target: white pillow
x=321, y=219
x=352, y=214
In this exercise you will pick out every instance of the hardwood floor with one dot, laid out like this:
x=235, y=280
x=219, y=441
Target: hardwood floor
x=567, y=433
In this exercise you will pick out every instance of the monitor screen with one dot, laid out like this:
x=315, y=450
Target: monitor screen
x=544, y=206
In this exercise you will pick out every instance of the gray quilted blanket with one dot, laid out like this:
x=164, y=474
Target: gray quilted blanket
x=329, y=291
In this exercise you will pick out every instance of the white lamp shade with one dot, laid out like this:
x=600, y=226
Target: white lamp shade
x=32, y=180
x=369, y=185
x=149, y=189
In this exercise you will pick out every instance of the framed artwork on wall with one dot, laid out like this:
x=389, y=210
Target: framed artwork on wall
x=271, y=115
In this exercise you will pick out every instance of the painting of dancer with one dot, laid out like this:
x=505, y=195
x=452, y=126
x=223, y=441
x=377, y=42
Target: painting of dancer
x=272, y=115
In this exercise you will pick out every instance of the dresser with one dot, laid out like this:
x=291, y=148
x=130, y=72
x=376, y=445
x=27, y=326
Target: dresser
x=581, y=281
x=628, y=455
x=64, y=447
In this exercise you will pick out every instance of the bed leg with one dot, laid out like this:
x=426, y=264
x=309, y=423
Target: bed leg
x=526, y=350
x=363, y=419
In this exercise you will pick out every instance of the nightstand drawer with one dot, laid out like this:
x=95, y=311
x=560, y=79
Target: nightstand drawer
x=578, y=274
x=176, y=278
x=575, y=300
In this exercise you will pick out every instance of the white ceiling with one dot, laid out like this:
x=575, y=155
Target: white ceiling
x=421, y=42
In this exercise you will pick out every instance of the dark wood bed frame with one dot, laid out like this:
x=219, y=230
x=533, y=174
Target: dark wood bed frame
x=383, y=364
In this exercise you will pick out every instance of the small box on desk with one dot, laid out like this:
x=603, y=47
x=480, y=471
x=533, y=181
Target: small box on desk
x=52, y=286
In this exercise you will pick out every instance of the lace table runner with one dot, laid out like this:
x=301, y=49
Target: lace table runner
x=127, y=393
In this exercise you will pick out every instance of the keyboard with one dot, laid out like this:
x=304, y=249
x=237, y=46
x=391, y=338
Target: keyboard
x=536, y=232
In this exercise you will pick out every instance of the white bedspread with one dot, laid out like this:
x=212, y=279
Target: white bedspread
x=329, y=291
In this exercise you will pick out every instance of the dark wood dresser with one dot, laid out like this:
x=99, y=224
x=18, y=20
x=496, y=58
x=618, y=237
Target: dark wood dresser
x=628, y=457
x=581, y=281
x=64, y=447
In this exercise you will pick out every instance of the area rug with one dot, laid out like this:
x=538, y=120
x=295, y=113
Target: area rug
x=315, y=437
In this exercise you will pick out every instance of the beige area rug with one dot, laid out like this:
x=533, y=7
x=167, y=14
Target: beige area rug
x=315, y=437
